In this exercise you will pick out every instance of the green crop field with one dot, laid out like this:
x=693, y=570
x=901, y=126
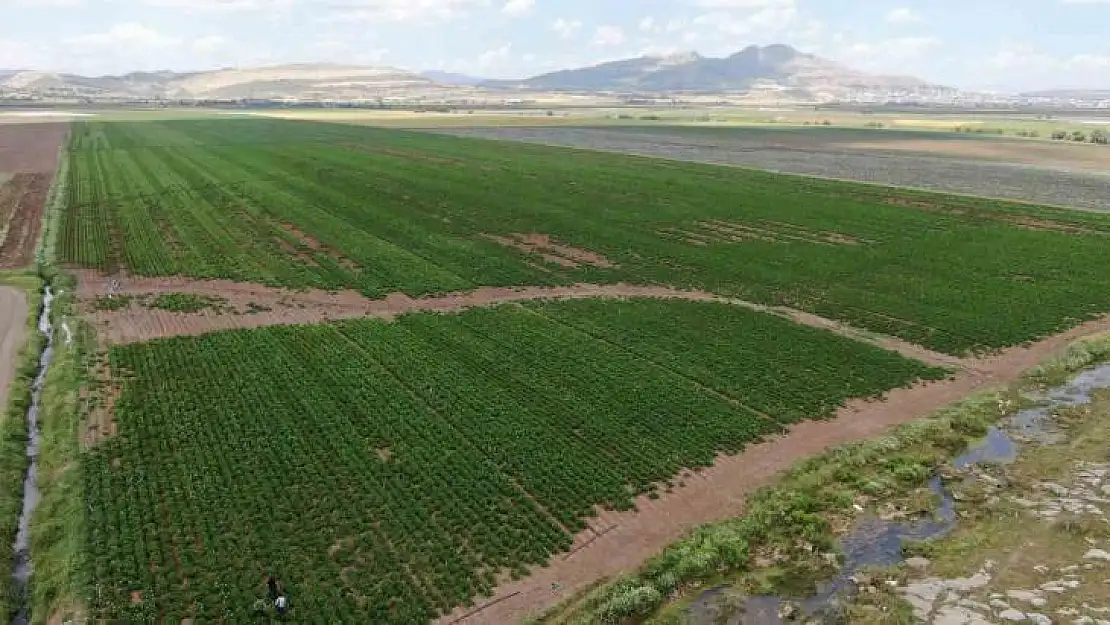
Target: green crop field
x=388, y=211
x=388, y=471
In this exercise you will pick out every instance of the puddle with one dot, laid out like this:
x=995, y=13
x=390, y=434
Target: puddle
x=21, y=573
x=878, y=543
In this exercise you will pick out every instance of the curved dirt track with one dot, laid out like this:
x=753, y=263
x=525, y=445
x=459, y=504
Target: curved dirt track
x=136, y=323
x=619, y=542
x=13, y=333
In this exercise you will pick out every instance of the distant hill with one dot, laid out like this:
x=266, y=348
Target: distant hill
x=321, y=81
x=1071, y=94
x=773, y=67
x=449, y=78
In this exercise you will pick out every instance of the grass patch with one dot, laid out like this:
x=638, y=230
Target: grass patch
x=112, y=302
x=185, y=302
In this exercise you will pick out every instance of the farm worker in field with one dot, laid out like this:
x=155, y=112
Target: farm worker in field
x=272, y=584
x=281, y=604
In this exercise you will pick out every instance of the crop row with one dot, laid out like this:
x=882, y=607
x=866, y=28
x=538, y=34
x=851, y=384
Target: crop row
x=388, y=472
x=380, y=211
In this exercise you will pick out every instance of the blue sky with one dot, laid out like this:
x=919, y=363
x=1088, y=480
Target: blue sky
x=991, y=44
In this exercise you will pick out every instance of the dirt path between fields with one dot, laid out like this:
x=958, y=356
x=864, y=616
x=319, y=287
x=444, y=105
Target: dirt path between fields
x=244, y=305
x=618, y=542
x=13, y=334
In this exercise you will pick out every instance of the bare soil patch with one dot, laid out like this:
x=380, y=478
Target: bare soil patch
x=719, y=492
x=1026, y=171
x=552, y=251
x=31, y=148
x=22, y=202
x=13, y=335
x=1090, y=158
x=252, y=305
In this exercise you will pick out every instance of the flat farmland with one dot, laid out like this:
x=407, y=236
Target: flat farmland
x=304, y=205
x=540, y=351
x=1026, y=170
x=28, y=159
x=488, y=442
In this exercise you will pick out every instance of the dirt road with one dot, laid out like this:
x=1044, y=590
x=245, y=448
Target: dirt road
x=619, y=542
x=13, y=334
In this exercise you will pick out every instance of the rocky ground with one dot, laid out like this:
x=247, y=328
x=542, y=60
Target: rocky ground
x=1060, y=589
x=1032, y=544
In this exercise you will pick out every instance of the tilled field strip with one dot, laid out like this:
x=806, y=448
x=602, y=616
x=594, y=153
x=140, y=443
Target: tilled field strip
x=135, y=323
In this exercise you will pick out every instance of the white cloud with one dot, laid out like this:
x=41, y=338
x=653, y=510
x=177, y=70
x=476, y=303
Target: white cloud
x=518, y=7
x=493, y=56
x=903, y=15
x=566, y=28
x=214, y=5
x=208, y=45
x=609, y=36
x=648, y=24
x=747, y=5
x=41, y=4
x=127, y=33
x=398, y=10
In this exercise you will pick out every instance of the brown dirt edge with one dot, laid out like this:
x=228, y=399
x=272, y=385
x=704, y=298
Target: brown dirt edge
x=136, y=323
x=722, y=489
x=13, y=335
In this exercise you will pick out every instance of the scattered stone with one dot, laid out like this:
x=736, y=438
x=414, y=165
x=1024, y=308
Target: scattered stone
x=1084, y=620
x=974, y=605
x=1070, y=569
x=1105, y=489
x=1067, y=612
x=1055, y=489
x=1097, y=554
x=917, y=563
x=1012, y=615
x=1070, y=583
x=999, y=604
x=1039, y=619
x=1042, y=569
x=1022, y=595
x=788, y=611
x=950, y=615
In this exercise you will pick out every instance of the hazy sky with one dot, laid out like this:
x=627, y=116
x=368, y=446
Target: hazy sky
x=999, y=44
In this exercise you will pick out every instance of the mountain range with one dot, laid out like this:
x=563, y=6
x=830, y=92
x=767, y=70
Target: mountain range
x=774, y=68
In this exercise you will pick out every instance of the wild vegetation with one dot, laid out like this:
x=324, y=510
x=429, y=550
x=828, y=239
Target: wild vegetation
x=483, y=445
x=300, y=204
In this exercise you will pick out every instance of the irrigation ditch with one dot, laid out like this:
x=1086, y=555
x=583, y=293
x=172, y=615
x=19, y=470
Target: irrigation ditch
x=22, y=569
x=877, y=542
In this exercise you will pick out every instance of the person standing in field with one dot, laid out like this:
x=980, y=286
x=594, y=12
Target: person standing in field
x=272, y=584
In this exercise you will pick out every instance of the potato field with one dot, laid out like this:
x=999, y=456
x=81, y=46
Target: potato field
x=380, y=211
x=389, y=471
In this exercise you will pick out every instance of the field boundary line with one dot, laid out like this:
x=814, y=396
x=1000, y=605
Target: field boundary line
x=119, y=326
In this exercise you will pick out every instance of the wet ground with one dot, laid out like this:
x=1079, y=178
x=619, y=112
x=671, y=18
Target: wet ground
x=874, y=542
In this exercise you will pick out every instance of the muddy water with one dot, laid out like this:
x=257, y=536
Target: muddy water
x=21, y=573
x=874, y=542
